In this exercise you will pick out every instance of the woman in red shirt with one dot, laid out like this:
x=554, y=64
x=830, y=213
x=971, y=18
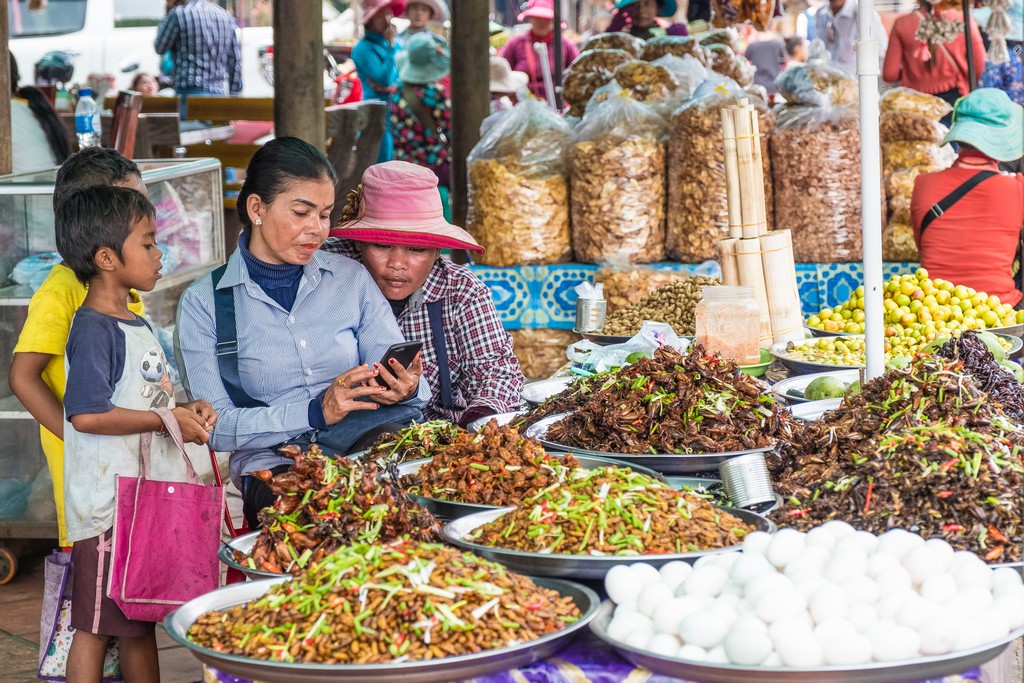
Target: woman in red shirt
x=519, y=50
x=967, y=219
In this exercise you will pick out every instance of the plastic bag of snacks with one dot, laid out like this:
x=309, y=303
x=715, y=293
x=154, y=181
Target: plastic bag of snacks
x=688, y=72
x=588, y=72
x=697, y=210
x=816, y=170
x=616, y=40
x=903, y=125
x=898, y=242
x=725, y=61
x=914, y=102
x=907, y=153
x=644, y=82
x=901, y=182
x=721, y=36
x=817, y=82
x=518, y=190
x=617, y=180
x=679, y=46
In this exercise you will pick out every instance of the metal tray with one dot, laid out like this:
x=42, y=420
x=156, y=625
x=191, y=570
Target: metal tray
x=920, y=669
x=602, y=339
x=824, y=333
x=575, y=566
x=666, y=463
x=541, y=390
x=244, y=544
x=428, y=671
x=810, y=411
x=447, y=510
x=782, y=387
x=502, y=418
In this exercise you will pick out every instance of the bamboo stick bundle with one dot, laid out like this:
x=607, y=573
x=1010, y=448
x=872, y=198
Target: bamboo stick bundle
x=727, y=259
x=751, y=273
x=758, y=173
x=782, y=292
x=733, y=192
x=750, y=175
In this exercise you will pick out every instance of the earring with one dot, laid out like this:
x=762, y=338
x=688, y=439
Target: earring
x=259, y=222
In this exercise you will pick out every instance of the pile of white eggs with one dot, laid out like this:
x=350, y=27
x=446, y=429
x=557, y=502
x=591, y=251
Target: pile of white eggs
x=830, y=597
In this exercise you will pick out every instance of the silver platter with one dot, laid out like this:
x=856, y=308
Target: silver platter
x=429, y=671
x=447, y=510
x=574, y=566
x=502, y=418
x=782, y=388
x=923, y=668
x=244, y=544
x=666, y=463
x=541, y=390
x=602, y=339
x=813, y=410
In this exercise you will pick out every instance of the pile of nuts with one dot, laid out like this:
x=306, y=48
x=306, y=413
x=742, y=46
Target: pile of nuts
x=625, y=287
x=672, y=304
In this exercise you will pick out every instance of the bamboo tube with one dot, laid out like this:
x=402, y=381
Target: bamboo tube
x=751, y=272
x=752, y=216
x=733, y=192
x=762, y=207
x=780, y=280
x=727, y=259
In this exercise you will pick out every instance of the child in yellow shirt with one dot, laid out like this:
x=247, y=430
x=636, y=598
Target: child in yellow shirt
x=37, y=372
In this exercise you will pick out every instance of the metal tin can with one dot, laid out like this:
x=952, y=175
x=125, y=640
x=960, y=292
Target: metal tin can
x=590, y=314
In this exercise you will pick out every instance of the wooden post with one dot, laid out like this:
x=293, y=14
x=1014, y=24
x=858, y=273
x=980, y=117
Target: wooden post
x=299, y=72
x=470, y=93
x=5, y=93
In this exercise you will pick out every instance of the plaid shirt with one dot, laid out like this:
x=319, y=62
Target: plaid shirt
x=201, y=38
x=485, y=372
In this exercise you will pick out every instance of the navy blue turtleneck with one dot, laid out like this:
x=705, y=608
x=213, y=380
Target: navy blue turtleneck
x=279, y=281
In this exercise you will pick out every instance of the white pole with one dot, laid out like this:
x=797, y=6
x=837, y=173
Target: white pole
x=871, y=195
x=545, y=69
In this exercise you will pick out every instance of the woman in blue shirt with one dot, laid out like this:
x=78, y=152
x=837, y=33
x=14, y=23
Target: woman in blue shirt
x=285, y=338
x=374, y=57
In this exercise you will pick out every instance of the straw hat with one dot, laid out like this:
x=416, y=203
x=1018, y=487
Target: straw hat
x=541, y=9
x=439, y=7
x=503, y=78
x=424, y=59
x=666, y=8
x=991, y=122
x=400, y=205
x=369, y=8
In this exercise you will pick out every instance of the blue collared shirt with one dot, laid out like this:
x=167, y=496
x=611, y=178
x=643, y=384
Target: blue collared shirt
x=286, y=359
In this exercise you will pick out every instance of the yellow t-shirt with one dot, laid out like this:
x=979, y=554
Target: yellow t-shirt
x=50, y=313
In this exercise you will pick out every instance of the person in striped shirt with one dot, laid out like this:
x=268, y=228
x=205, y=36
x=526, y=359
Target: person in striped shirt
x=396, y=228
x=201, y=39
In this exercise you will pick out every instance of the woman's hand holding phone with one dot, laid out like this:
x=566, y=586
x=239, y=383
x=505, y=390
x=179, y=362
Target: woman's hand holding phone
x=340, y=398
x=401, y=382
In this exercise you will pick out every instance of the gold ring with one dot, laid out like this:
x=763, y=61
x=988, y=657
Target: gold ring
x=341, y=383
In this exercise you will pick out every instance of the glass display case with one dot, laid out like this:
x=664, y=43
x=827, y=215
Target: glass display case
x=190, y=231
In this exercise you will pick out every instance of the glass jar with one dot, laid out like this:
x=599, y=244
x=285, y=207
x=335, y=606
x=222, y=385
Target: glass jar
x=728, y=323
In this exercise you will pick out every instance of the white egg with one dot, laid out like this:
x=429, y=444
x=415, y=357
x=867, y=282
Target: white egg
x=707, y=580
x=849, y=650
x=669, y=615
x=724, y=612
x=766, y=583
x=829, y=602
x=730, y=600
x=1006, y=576
x=939, y=587
x=747, y=647
x=920, y=563
x=971, y=634
x=896, y=542
x=866, y=540
x=995, y=623
x=831, y=629
x=620, y=584
x=1013, y=608
x=652, y=596
x=879, y=562
x=621, y=627
x=961, y=606
x=889, y=606
x=749, y=622
x=704, y=629
x=664, y=644
x=1007, y=590
x=644, y=574
x=861, y=591
x=807, y=586
x=895, y=644
x=773, y=660
x=775, y=605
x=915, y=612
x=626, y=608
x=799, y=649
x=639, y=639
x=862, y=616
x=756, y=543
x=749, y=567
x=939, y=634
x=980, y=597
x=893, y=580
x=674, y=573
x=801, y=625
x=694, y=653
x=726, y=560
x=838, y=528
x=803, y=566
x=972, y=574
x=821, y=537
x=731, y=589
x=942, y=551
x=851, y=563
x=785, y=546
x=716, y=655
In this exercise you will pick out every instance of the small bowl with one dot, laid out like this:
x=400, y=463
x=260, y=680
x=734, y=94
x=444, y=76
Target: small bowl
x=760, y=368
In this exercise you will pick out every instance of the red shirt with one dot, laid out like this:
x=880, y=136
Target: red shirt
x=521, y=56
x=905, y=60
x=975, y=241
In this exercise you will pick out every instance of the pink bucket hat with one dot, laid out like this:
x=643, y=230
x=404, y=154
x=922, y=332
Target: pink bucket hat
x=368, y=8
x=401, y=206
x=542, y=9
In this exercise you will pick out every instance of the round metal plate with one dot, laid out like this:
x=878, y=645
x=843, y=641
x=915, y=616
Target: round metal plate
x=812, y=410
x=800, y=382
x=574, y=566
x=666, y=463
x=428, y=671
x=243, y=544
x=920, y=669
x=447, y=510
x=502, y=418
x=602, y=339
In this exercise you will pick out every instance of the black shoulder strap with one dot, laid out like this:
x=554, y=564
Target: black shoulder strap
x=227, y=343
x=953, y=197
x=436, y=313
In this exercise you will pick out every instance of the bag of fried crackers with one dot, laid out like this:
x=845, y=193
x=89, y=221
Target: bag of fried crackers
x=518, y=189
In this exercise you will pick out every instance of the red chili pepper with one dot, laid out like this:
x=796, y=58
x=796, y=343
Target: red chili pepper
x=799, y=513
x=867, y=497
x=534, y=605
x=949, y=464
x=944, y=494
x=994, y=554
x=399, y=639
x=952, y=527
x=997, y=534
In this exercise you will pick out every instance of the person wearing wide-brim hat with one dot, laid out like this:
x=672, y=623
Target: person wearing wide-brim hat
x=641, y=18
x=374, y=57
x=421, y=109
x=422, y=13
x=519, y=50
x=505, y=84
x=396, y=227
x=967, y=219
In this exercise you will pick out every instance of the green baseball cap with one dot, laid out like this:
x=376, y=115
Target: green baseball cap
x=988, y=120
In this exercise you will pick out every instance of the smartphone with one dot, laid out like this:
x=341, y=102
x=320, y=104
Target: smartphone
x=403, y=352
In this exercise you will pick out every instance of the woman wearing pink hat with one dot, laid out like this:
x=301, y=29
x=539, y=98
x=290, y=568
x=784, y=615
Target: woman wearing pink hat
x=422, y=13
x=374, y=57
x=519, y=50
x=398, y=228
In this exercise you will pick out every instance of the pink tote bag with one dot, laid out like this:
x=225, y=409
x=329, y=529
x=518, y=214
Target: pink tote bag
x=165, y=539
